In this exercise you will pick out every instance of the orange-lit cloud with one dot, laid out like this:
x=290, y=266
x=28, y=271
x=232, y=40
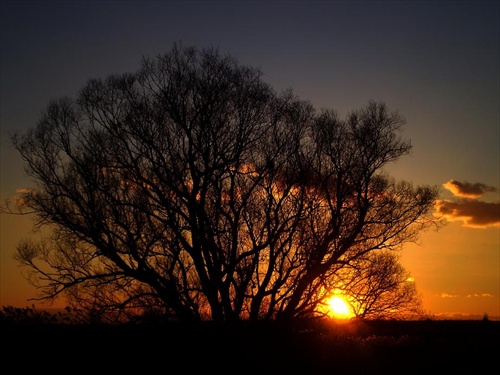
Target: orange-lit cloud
x=446, y=295
x=18, y=199
x=474, y=213
x=468, y=190
x=473, y=295
x=479, y=295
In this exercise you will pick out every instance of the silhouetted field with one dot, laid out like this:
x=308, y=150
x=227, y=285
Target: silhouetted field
x=312, y=347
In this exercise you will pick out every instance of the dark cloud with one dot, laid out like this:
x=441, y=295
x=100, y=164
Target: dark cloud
x=473, y=213
x=468, y=190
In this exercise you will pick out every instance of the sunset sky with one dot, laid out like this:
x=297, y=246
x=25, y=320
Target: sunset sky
x=436, y=62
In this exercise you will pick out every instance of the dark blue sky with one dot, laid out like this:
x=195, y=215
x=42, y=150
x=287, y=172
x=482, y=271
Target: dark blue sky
x=437, y=62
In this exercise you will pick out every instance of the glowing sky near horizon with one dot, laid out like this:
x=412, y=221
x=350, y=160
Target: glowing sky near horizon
x=436, y=62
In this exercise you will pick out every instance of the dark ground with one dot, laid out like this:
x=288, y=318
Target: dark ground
x=320, y=347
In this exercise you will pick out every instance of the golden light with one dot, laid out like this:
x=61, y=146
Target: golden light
x=339, y=308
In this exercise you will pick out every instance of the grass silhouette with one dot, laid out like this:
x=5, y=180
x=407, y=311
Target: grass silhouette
x=320, y=346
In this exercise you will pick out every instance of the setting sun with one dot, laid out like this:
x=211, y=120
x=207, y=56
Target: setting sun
x=339, y=308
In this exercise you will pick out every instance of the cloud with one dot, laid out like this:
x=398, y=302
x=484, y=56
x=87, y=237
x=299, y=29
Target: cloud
x=18, y=200
x=25, y=191
x=474, y=213
x=479, y=295
x=468, y=190
x=472, y=295
x=446, y=295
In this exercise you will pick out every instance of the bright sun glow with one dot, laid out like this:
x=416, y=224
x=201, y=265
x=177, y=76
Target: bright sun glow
x=339, y=308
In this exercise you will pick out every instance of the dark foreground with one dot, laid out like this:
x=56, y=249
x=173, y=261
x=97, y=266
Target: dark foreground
x=320, y=347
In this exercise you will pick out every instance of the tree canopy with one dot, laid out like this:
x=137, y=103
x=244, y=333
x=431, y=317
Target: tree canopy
x=192, y=190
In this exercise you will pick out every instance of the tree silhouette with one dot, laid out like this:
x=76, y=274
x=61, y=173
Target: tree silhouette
x=377, y=286
x=192, y=190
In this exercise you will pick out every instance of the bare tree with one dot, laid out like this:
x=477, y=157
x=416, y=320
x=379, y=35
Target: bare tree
x=192, y=190
x=377, y=286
